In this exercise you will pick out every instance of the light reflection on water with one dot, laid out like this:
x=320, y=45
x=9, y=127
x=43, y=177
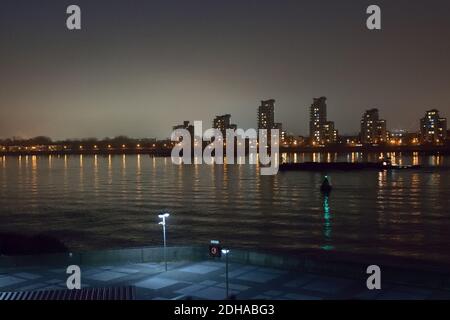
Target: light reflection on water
x=112, y=201
x=327, y=225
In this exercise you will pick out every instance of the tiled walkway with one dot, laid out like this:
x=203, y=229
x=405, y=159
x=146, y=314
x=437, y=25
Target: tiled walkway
x=206, y=280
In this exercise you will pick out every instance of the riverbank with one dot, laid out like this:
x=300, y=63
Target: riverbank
x=166, y=152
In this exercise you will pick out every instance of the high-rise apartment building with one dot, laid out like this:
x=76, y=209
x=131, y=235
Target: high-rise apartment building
x=223, y=123
x=266, y=114
x=373, y=129
x=433, y=128
x=321, y=131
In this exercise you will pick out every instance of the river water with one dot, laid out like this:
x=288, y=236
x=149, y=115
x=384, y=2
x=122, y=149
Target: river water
x=96, y=202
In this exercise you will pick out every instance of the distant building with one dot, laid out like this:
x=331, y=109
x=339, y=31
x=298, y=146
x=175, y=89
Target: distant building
x=433, y=128
x=399, y=137
x=187, y=126
x=321, y=131
x=352, y=141
x=330, y=133
x=266, y=118
x=412, y=138
x=293, y=141
x=279, y=126
x=318, y=116
x=373, y=129
x=223, y=123
x=266, y=114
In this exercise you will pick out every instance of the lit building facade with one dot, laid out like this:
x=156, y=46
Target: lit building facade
x=321, y=131
x=279, y=126
x=266, y=119
x=223, y=123
x=373, y=129
x=266, y=114
x=433, y=128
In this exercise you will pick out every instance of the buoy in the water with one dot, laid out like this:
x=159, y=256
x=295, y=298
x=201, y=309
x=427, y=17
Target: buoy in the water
x=326, y=186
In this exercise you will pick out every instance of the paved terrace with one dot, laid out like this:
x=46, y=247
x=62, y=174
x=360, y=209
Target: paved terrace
x=205, y=279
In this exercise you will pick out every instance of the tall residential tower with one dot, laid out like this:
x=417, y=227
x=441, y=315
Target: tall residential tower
x=266, y=114
x=433, y=128
x=223, y=123
x=373, y=129
x=321, y=131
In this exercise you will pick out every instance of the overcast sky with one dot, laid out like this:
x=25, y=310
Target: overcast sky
x=138, y=67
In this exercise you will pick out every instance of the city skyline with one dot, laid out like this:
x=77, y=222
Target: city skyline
x=373, y=132
x=318, y=123
x=161, y=62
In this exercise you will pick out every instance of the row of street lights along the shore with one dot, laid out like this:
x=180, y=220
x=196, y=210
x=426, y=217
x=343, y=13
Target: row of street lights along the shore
x=84, y=147
x=123, y=146
x=291, y=144
x=225, y=252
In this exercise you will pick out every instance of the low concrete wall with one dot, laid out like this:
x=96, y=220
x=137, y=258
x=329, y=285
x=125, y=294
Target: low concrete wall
x=107, y=257
x=156, y=254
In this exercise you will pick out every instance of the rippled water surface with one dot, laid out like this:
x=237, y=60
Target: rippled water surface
x=112, y=201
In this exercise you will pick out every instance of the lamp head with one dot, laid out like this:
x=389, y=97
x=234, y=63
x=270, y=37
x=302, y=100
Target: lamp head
x=164, y=215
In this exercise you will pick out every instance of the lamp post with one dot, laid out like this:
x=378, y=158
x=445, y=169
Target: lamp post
x=163, y=223
x=226, y=252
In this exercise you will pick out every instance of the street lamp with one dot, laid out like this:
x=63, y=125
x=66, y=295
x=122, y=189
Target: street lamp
x=226, y=252
x=163, y=223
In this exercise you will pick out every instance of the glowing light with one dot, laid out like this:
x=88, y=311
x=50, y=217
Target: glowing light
x=163, y=223
x=164, y=215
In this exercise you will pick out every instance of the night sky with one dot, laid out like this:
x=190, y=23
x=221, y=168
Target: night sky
x=139, y=67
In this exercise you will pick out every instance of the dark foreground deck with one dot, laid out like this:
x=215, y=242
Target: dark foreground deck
x=206, y=280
